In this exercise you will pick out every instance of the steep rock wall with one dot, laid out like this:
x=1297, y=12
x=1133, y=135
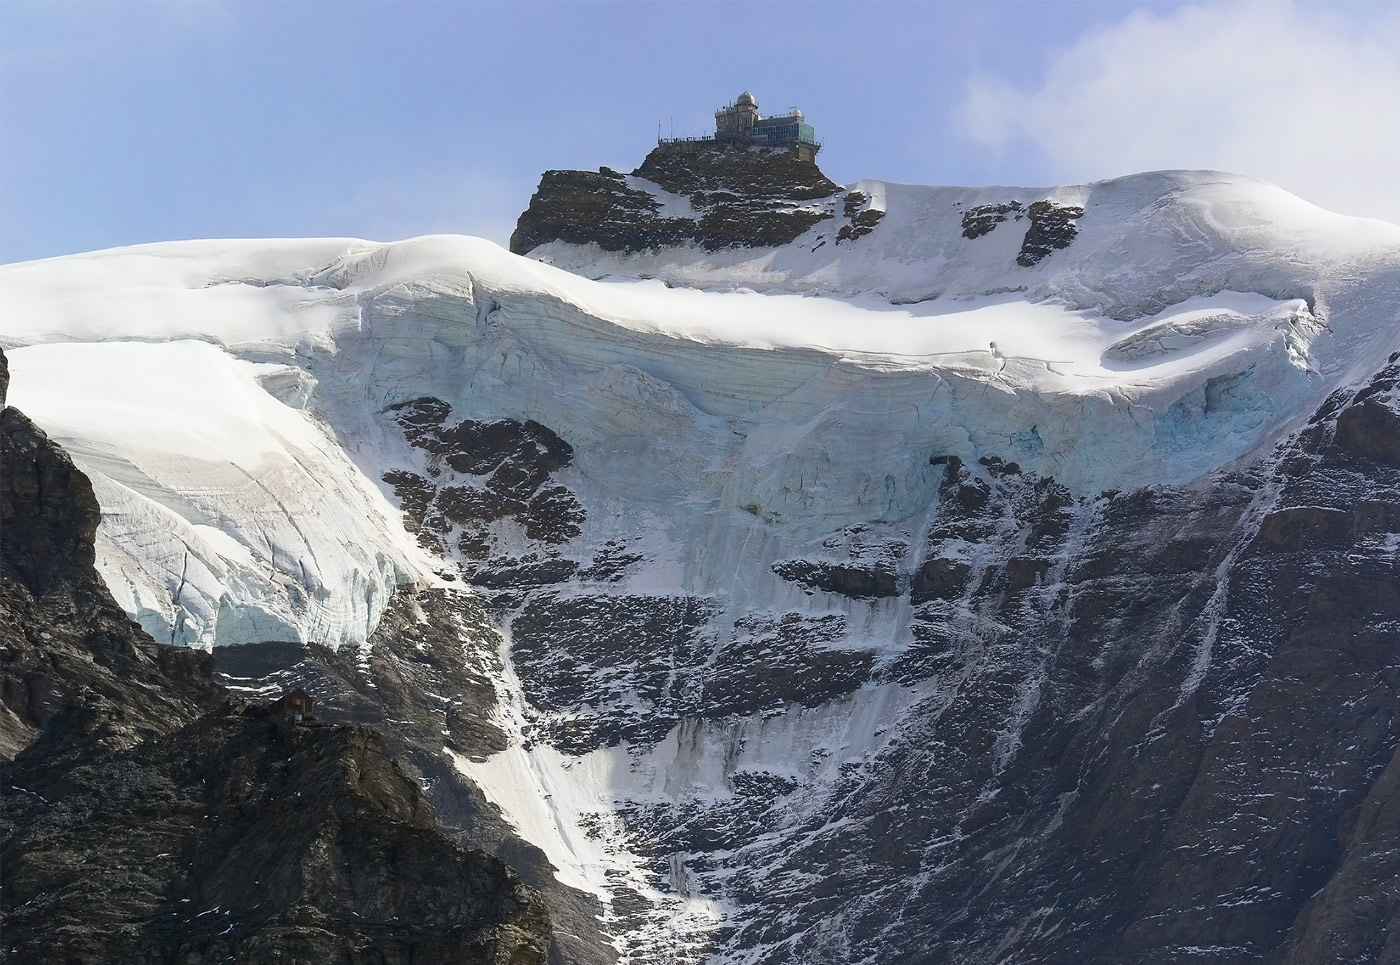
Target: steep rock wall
x=146, y=817
x=713, y=199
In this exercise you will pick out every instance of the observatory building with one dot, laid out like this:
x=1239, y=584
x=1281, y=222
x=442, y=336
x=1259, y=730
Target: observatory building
x=740, y=124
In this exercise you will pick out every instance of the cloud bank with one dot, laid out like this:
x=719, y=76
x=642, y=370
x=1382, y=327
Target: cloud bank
x=1305, y=96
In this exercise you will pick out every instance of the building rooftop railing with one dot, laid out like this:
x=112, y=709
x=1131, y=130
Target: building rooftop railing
x=734, y=137
x=739, y=139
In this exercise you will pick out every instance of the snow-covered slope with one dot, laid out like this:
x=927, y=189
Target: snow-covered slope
x=1143, y=242
x=710, y=454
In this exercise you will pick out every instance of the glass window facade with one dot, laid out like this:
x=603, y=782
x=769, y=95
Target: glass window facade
x=784, y=130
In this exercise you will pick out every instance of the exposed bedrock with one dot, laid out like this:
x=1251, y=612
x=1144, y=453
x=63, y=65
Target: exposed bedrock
x=853, y=581
x=478, y=476
x=1050, y=226
x=147, y=817
x=714, y=198
x=1174, y=705
x=428, y=682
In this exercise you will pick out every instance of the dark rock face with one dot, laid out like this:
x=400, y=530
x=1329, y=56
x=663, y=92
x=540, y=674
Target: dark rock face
x=581, y=207
x=761, y=172
x=147, y=817
x=1023, y=572
x=857, y=582
x=1052, y=226
x=50, y=515
x=585, y=650
x=741, y=198
x=1305, y=528
x=980, y=220
x=1370, y=427
x=777, y=661
x=1175, y=707
x=939, y=579
x=479, y=473
x=241, y=836
x=861, y=216
x=425, y=683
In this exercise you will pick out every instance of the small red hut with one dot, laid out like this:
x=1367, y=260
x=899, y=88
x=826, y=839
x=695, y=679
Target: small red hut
x=295, y=704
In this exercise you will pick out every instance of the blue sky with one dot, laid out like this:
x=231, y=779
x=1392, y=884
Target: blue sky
x=129, y=122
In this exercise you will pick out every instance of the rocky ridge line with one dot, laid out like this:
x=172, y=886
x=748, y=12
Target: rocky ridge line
x=722, y=198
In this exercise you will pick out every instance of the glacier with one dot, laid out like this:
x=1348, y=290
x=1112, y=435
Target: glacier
x=813, y=403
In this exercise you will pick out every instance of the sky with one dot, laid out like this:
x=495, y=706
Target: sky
x=130, y=122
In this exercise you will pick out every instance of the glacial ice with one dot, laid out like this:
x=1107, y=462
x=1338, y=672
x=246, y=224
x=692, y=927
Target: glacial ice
x=1192, y=316
x=227, y=515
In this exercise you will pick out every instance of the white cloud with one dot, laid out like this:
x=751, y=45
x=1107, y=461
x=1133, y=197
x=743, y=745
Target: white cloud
x=1305, y=96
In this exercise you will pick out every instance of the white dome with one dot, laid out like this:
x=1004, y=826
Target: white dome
x=746, y=98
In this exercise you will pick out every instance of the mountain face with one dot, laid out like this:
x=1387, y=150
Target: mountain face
x=925, y=574
x=712, y=197
x=146, y=817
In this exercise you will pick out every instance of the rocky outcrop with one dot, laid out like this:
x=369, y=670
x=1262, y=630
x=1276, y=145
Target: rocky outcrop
x=581, y=651
x=1051, y=226
x=860, y=214
x=49, y=513
x=581, y=207
x=1370, y=426
x=717, y=197
x=981, y=219
x=855, y=581
x=477, y=475
x=426, y=682
x=244, y=836
x=939, y=579
x=148, y=817
x=724, y=171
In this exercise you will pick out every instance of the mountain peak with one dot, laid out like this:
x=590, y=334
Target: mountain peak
x=706, y=194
